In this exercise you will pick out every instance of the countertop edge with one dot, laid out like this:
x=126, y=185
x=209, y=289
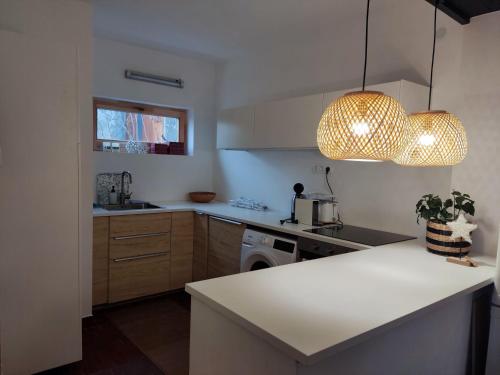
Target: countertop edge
x=313, y=358
x=206, y=208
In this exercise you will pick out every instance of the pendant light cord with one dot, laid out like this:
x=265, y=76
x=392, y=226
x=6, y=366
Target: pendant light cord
x=366, y=42
x=436, y=2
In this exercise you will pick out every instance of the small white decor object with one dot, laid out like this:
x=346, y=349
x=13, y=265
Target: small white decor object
x=461, y=228
x=134, y=147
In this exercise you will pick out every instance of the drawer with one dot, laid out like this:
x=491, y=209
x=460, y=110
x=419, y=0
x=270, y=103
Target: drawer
x=139, y=277
x=139, y=244
x=129, y=225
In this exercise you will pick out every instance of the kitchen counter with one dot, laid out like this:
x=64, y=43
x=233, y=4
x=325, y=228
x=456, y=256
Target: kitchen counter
x=314, y=309
x=268, y=219
x=309, y=312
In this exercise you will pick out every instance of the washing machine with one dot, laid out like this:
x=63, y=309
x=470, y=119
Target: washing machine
x=261, y=250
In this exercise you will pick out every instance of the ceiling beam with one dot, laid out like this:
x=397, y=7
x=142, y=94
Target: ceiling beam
x=449, y=9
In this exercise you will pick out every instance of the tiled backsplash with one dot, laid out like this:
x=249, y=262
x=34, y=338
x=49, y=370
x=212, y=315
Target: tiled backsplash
x=104, y=183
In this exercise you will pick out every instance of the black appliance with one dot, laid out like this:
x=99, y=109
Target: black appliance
x=298, y=189
x=360, y=235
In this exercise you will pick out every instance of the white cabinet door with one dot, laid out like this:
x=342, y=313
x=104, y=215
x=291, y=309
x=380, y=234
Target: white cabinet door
x=290, y=123
x=39, y=273
x=334, y=95
x=412, y=96
x=235, y=128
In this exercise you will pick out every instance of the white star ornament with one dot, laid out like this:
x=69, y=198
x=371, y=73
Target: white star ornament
x=461, y=228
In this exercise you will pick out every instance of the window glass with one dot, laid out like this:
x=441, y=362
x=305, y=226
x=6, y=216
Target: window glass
x=128, y=126
x=138, y=128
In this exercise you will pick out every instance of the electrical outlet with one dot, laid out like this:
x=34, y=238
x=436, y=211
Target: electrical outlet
x=318, y=169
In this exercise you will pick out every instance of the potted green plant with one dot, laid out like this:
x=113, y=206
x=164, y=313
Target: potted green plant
x=447, y=228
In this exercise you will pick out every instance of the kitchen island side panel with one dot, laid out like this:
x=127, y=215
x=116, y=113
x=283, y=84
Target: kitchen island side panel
x=435, y=343
x=220, y=346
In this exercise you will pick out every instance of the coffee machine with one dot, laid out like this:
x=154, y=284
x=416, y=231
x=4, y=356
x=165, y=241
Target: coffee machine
x=298, y=189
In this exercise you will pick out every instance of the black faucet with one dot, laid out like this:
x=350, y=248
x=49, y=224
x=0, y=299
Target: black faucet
x=124, y=197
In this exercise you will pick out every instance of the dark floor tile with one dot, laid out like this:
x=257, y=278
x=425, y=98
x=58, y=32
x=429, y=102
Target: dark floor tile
x=149, y=337
x=159, y=328
x=107, y=351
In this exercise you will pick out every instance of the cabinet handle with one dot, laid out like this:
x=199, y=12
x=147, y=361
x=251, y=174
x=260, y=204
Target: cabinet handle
x=225, y=220
x=140, y=236
x=137, y=257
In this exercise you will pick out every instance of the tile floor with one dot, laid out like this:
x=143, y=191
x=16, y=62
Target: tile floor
x=148, y=337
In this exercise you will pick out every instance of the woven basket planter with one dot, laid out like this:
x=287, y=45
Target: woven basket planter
x=439, y=242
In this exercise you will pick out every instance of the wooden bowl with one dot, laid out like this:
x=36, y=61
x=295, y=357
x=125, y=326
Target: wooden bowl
x=201, y=196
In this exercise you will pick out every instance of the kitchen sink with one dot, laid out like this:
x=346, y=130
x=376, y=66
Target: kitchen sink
x=129, y=206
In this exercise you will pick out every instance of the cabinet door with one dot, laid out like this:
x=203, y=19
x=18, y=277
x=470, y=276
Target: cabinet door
x=39, y=259
x=200, y=248
x=235, y=128
x=142, y=244
x=138, y=276
x=181, y=267
x=100, y=260
x=131, y=225
x=290, y=123
x=412, y=96
x=224, y=247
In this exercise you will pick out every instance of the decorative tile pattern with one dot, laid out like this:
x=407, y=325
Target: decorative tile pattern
x=104, y=183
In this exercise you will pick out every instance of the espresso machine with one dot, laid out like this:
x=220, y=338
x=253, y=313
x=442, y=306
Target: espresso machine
x=298, y=189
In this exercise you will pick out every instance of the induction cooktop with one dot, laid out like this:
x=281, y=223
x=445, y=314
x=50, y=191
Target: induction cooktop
x=360, y=235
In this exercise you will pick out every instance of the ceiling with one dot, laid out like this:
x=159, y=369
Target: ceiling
x=219, y=30
x=463, y=10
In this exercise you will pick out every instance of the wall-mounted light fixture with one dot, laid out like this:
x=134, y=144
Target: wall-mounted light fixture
x=152, y=78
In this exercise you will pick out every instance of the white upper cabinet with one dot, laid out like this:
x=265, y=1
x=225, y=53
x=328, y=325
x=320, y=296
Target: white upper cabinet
x=292, y=123
x=235, y=128
x=412, y=96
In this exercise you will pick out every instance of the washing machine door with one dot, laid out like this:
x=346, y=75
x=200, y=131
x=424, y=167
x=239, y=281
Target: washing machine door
x=258, y=260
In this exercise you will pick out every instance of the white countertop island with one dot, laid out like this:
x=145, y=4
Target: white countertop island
x=314, y=317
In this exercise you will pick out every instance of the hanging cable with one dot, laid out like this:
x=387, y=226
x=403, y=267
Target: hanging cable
x=327, y=172
x=436, y=2
x=366, y=42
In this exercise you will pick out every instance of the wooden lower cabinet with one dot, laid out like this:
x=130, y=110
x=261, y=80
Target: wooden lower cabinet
x=139, y=277
x=224, y=247
x=200, y=246
x=139, y=255
x=100, y=260
x=130, y=225
x=181, y=267
x=141, y=245
x=144, y=254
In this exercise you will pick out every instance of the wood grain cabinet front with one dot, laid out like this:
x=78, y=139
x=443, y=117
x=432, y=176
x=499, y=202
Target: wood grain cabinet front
x=200, y=246
x=224, y=246
x=138, y=276
x=139, y=255
x=130, y=225
x=181, y=267
x=100, y=261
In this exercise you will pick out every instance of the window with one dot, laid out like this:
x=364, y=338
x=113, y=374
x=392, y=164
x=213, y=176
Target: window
x=138, y=128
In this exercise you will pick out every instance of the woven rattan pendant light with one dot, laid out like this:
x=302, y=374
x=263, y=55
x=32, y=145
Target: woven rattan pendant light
x=363, y=125
x=436, y=138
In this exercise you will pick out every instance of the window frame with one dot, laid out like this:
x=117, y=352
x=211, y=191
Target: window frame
x=133, y=107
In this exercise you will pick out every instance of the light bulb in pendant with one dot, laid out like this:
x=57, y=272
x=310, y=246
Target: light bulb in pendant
x=360, y=128
x=427, y=140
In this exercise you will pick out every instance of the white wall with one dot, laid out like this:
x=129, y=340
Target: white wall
x=160, y=177
x=380, y=195
x=477, y=104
